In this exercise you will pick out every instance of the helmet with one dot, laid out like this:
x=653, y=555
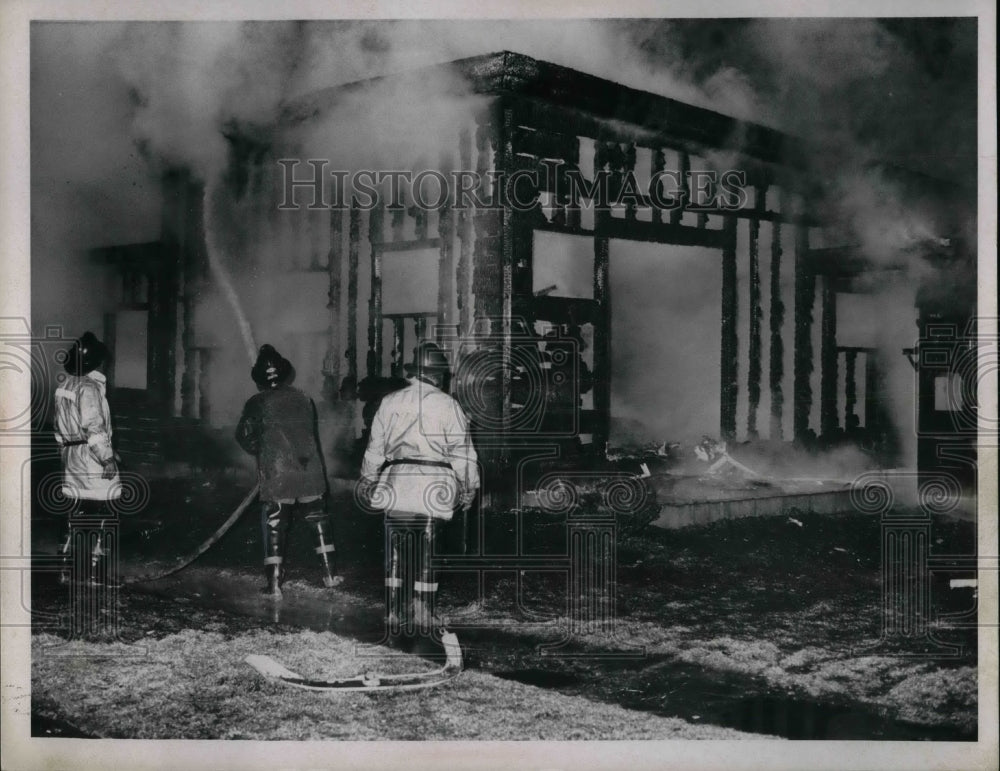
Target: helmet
x=427, y=357
x=86, y=355
x=272, y=369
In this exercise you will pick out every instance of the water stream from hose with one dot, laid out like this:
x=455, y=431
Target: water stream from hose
x=222, y=276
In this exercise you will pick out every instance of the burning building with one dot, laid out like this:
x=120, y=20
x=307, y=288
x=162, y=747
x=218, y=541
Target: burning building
x=575, y=313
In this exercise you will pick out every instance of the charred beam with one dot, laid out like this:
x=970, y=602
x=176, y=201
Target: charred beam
x=353, y=252
x=486, y=265
x=550, y=117
x=565, y=310
x=204, y=384
x=777, y=321
x=506, y=155
x=756, y=316
x=375, y=235
x=465, y=237
x=110, y=340
x=189, y=378
x=657, y=166
x=162, y=337
x=682, y=235
x=572, y=201
x=566, y=205
x=685, y=170
x=184, y=246
x=398, y=345
x=702, y=214
x=446, y=266
x=524, y=247
x=828, y=360
x=730, y=347
x=850, y=388
x=872, y=414
x=805, y=291
x=628, y=167
x=762, y=216
x=546, y=144
x=333, y=265
x=602, y=339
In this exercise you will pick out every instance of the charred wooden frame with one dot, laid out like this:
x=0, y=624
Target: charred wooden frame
x=353, y=255
x=539, y=112
x=527, y=113
x=375, y=236
x=334, y=267
x=805, y=291
x=777, y=321
x=730, y=343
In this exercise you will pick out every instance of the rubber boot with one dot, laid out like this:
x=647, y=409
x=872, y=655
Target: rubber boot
x=274, y=573
x=323, y=550
x=96, y=559
x=274, y=548
x=424, y=587
x=66, y=565
x=103, y=568
x=394, y=617
x=424, y=618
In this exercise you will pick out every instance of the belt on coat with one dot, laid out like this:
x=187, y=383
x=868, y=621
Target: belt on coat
x=74, y=443
x=414, y=462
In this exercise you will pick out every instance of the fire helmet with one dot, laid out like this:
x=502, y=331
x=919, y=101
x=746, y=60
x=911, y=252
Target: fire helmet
x=427, y=357
x=271, y=369
x=86, y=355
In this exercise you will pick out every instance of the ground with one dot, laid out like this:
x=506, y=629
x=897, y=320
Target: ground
x=765, y=626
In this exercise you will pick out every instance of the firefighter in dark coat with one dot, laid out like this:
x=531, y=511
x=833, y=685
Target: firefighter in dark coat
x=279, y=426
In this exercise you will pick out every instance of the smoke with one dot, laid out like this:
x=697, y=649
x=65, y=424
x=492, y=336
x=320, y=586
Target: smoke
x=190, y=81
x=115, y=104
x=888, y=109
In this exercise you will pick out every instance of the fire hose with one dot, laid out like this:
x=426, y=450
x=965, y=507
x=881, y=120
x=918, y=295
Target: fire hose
x=272, y=669
x=187, y=559
x=367, y=681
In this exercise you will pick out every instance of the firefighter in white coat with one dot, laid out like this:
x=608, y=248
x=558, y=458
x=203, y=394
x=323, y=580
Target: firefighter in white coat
x=419, y=466
x=83, y=433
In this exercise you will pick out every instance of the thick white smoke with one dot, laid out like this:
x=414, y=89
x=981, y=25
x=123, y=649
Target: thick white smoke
x=856, y=90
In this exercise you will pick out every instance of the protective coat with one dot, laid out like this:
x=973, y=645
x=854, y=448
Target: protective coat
x=420, y=422
x=83, y=432
x=279, y=427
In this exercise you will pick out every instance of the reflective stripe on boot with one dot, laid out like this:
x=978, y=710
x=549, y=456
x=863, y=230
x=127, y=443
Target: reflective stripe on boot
x=275, y=523
x=424, y=617
x=324, y=548
x=274, y=573
x=65, y=567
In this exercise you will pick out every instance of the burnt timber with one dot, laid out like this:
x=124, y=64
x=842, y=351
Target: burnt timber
x=524, y=113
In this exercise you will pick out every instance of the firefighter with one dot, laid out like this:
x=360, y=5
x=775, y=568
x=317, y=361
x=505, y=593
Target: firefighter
x=83, y=433
x=418, y=467
x=279, y=427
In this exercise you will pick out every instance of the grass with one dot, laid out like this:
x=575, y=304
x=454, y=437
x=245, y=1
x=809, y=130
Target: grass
x=194, y=685
x=783, y=605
